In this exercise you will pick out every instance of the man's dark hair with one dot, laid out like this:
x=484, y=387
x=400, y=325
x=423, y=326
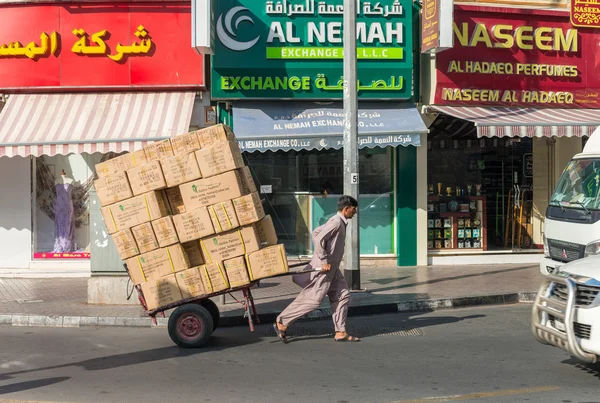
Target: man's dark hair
x=346, y=201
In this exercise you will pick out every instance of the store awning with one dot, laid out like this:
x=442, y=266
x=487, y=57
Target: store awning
x=311, y=125
x=50, y=124
x=526, y=122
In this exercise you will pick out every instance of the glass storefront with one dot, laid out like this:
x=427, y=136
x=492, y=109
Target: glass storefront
x=304, y=187
x=61, y=187
x=479, y=189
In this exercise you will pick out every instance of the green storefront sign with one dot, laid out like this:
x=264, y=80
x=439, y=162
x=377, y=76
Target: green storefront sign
x=294, y=49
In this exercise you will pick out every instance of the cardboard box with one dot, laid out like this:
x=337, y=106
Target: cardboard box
x=194, y=253
x=159, y=150
x=230, y=244
x=223, y=216
x=190, y=283
x=125, y=244
x=146, y=178
x=135, y=271
x=214, y=277
x=185, y=143
x=249, y=209
x=112, y=189
x=145, y=237
x=267, y=262
x=236, y=271
x=121, y=163
x=165, y=232
x=219, y=158
x=134, y=211
x=204, y=192
x=214, y=134
x=266, y=231
x=248, y=184
x=180, y=169
x=175, y=201
x=161, y=292
x=193, y=225
x=159, y=263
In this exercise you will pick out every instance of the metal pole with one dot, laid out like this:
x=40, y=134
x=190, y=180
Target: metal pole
x=352, y=255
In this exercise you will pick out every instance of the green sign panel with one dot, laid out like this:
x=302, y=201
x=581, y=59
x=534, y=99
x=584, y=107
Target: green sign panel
x=294, y=49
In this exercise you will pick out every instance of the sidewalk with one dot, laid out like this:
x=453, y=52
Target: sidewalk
x=62, y=302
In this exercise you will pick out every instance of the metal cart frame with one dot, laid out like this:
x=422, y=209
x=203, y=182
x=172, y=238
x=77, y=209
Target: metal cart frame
x=194, y=319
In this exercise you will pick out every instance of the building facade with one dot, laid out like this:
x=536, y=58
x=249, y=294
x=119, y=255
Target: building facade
x=82, y=82
x=277, y=79
x=510, y=104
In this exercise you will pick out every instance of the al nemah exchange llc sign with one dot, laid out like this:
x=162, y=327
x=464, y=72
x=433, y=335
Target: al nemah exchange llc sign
x=293, y=49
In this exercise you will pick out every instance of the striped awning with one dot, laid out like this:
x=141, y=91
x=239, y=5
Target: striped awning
x=526, y=122
x=50, y=124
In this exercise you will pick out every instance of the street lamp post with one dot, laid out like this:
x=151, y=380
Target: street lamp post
x=351, y=168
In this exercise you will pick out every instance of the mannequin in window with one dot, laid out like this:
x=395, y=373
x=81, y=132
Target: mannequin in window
x=64, y=214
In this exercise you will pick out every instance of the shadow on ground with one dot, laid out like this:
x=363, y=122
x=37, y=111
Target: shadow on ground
x=28, y=385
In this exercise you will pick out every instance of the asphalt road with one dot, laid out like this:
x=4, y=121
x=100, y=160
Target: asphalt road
x=475, y=355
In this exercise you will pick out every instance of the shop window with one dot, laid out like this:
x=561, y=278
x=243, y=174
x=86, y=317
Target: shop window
x=304, y=188
x=480, y=190
x=61, y=186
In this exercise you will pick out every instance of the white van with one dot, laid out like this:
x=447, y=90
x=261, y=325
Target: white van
x=572, y=225
x=566, y=312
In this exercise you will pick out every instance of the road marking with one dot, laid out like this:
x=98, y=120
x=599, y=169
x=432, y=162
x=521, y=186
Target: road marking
x=478, y=395
x=26, y=401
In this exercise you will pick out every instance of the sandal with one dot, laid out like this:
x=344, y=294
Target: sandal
x=280, y=333
x=348, y=338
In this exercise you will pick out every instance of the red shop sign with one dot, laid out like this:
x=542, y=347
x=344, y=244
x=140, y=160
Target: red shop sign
x=515, y=57
x=105, y=46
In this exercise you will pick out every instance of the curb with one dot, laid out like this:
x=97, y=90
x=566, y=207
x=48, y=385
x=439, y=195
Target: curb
x=422, y=305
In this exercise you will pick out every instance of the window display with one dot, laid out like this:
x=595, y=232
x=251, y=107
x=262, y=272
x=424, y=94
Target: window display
x=302, y=189
x=483, y=186
x=62, y=186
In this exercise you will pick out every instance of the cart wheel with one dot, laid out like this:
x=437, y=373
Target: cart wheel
x=190, y=326
x=213, y=309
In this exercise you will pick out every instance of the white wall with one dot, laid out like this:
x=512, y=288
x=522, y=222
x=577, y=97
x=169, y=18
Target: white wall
x=15, y=212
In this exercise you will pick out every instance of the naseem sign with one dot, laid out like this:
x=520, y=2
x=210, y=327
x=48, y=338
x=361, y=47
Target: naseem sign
x=97, y=46
x=509, y=58
x=585, y=13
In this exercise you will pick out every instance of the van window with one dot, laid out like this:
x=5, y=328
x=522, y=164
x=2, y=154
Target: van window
x=579, y=185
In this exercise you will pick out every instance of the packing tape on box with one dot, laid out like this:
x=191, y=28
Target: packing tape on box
x=242, y=240
x=214, y=214
x=147, y=208
x=249, y=268
x=225, y=280
x=113, y=219
x=170, y=260
x=283, y=259
x=226, y=215
x=208, y=278
x=205, y=251
x=141, y=270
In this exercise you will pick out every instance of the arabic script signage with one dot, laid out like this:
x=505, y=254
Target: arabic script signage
x=513, y=59
x=302, y=125
x=293, y=49
x=585, y=13
x=436, y=25
x=105, y=46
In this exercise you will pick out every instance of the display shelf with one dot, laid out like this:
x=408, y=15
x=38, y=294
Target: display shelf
x=435, y=242
x=454, y=214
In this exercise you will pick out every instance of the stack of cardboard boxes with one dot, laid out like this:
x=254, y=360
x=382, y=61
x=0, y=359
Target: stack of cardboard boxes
x=186, y=217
